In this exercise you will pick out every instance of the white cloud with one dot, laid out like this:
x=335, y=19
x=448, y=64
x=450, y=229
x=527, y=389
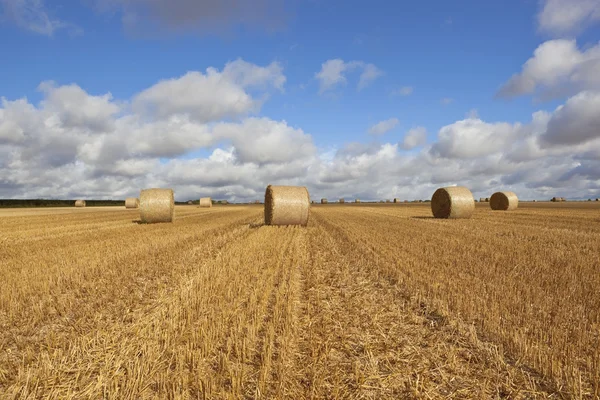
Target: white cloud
x=368, y=76
x=415, y=137
x=561, y=17
x=76, y=144
x=384, y=126
x=472, y=138
x=33, y=16
x=333, y=73
x=557, y=67
x=211, y=96
x=263, y=141
x=403, y=91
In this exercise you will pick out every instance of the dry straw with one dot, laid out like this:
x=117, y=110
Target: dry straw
x=157, y=205
x=132, y=202
x=323, y=201
x=506, y=201
x=79, y=203
x=286, y=205
x=205, y=202
x=452, y=202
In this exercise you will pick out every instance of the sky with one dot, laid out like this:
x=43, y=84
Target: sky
x=372, y=100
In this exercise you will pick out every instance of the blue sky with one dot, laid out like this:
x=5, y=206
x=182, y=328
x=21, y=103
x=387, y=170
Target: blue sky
x=432, y=64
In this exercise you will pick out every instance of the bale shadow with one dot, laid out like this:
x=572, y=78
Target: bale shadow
x=138, y=221
x=423, y=217
x=256, y=226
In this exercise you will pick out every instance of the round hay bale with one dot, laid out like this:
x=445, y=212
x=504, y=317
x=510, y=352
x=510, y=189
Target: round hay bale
x=205, y=202
x=287, y=205
x=190, y=202
x=396, y=200
x=535, y=201
x=597, y=199
x=79, y=203
x=323, y=201
x=132, y=202
x=452, y=202
x=482, y=199
x=358, y=200
x=157, y=205
x=506, y=201
x=342, y=201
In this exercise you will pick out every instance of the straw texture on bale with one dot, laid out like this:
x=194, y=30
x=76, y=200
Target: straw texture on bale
x=79, y=203
x=132, y=202
x=452, y=202
x=342, y=201
x=205, y=202
x=323, y=201
x=506, y=201
x=157, y=205
x=287, y=205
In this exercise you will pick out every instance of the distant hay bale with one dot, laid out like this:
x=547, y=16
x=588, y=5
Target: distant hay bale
x=342, y=201
x=452, y=202
x=396, y=200
x=563, y=199
x=555, y=199
x=535, y=201
x=406, y=201
x=323, y=201
x=79, y=203
x=132, y=202
x=506, y=201
x=358, y=200
x=287, y=205
x=388, y=201
x=597, y=199
x=381, y=201
x=256, y=201
x=205, y=202
x=482, y=199
x=190, y=202
x=157, y=205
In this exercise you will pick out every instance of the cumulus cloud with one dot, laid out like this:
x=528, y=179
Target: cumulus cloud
x=383, y=127
x=415, y=137
x=561, y=17
x=202, y=16
x=557, y=67
x=74, y=143
x=210, y=96
x=472, y=138
x=333, y=73
x=576, y=122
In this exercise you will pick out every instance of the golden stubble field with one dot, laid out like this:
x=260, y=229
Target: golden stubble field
x=368, y=301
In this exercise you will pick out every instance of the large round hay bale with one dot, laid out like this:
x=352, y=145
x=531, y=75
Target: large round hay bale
x=157, y=205
x=286, y=205
x=79, y=203
x=506, y=201
x=452, y=202
x=323, y=201
x=205, y=202
x=132, y=202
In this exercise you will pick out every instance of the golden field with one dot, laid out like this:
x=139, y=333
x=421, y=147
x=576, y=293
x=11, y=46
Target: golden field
x=368, y=301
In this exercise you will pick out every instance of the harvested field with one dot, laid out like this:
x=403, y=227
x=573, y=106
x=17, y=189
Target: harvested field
x=368, y=301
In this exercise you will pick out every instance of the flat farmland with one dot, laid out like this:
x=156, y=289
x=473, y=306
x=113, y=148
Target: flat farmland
x=369, y=301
